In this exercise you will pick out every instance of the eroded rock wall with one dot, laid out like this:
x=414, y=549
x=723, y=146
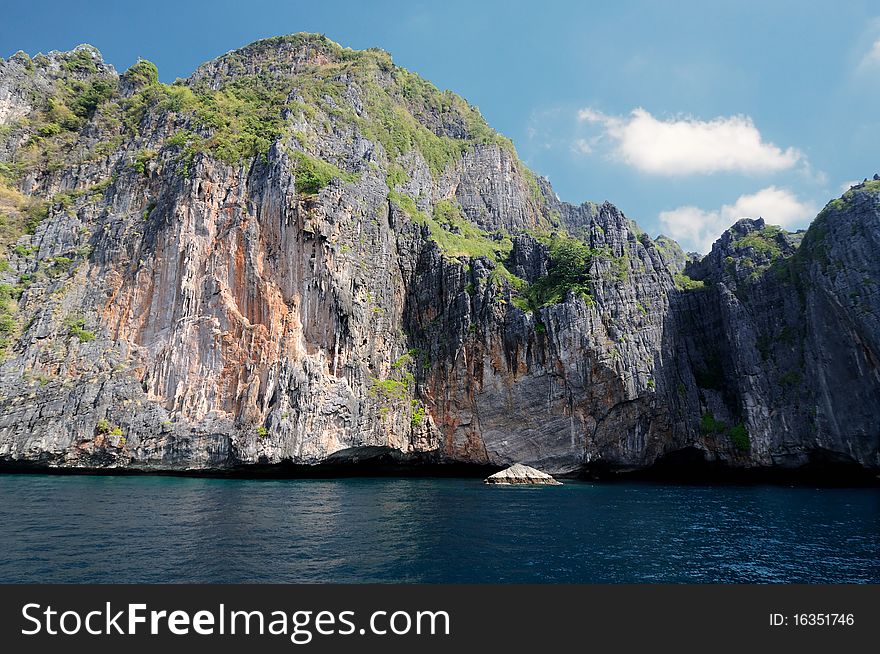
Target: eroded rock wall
x=174, y=310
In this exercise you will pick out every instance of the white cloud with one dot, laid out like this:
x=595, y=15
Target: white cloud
x=696, y=229
x=581, y=146
x=686, y=146
x=591, y=115
x=872, y=57
x=847, y=185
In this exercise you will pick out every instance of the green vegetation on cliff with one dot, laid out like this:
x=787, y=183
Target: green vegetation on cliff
x=74, y=96
x=312, y=174
x=764, y=241
x=871, y=186
x=401, y=111
x=709, y=424
x=391, y=392
x=844, y=201
x=672, y=252
x=738, y=434
x=457, y=237
x=76, y=326
x=246, y=114
x=80, y=60
x=568, y=271
x=813, y=248
x=241, y=120
x=106, y=428
x=571, y=260
x=740, y=437
x=8, y=324
x=19, y=215
x=142, y=73
x=685, y=283
x=758, y=251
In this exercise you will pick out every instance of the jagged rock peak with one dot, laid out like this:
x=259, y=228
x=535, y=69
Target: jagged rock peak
x=26, y=83
x=290, y=54
x=82, y=61
x=673, y=254
x=361, y=85
x=745, y=249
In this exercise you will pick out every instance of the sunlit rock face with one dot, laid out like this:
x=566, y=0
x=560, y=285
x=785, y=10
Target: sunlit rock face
x=521, y=475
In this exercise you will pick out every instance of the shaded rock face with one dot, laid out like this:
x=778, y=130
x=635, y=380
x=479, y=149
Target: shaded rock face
x=784, y=340
x=558, y=387
x=189, y=299
x=518, y=474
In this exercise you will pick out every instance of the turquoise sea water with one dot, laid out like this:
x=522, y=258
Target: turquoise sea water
x=170, y=529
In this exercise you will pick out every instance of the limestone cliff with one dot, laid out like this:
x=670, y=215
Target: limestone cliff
x=304, y=253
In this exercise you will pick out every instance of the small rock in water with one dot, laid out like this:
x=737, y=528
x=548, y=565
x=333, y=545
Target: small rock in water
x=520, y=474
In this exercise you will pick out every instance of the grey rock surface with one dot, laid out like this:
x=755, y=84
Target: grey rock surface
x=519, y=474
x=175, y=311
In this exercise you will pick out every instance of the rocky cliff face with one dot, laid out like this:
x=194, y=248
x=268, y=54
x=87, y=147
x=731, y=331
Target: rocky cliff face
x=303, y=254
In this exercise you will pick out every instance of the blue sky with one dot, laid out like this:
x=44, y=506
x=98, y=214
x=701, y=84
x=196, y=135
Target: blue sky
x=684, y=116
